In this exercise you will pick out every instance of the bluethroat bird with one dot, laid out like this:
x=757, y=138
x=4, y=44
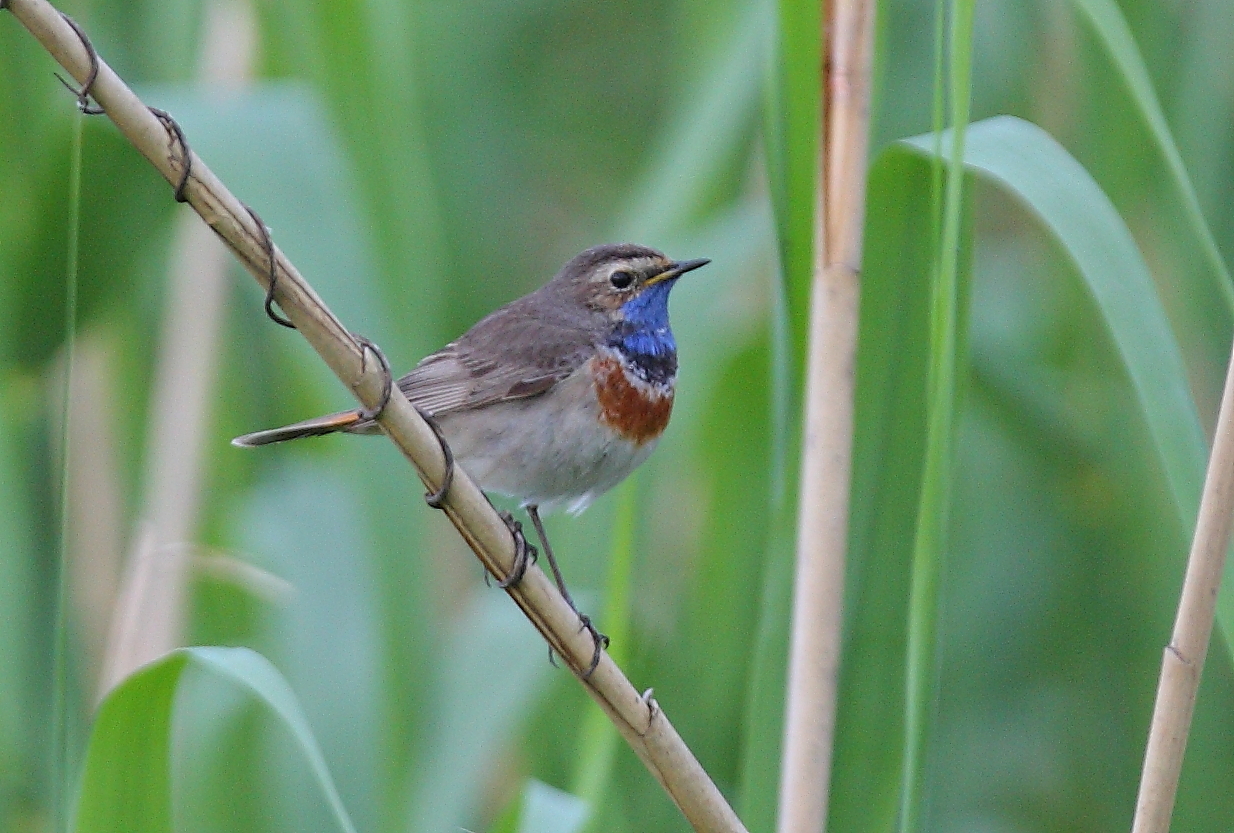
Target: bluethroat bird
x=554, y=398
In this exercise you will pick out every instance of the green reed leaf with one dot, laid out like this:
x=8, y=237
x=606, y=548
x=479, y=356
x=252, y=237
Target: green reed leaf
x=127, y=782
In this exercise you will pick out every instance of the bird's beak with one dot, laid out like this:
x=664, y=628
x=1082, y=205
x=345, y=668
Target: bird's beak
x=676, y=270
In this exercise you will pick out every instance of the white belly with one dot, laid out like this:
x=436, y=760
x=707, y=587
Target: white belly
x=550, y=451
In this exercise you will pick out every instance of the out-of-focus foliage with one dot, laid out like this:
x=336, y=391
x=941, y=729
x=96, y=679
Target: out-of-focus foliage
x=138, y=740
x=423, y=163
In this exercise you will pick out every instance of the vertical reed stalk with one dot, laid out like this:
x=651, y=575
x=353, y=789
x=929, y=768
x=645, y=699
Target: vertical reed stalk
x=96, y=524
x=1184, y=657
x=822, y=524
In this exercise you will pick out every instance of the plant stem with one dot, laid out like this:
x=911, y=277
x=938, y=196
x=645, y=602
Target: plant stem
x=822, y=521
x=1183, y=661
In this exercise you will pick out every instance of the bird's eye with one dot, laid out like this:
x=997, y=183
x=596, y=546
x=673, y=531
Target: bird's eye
x=621, y=279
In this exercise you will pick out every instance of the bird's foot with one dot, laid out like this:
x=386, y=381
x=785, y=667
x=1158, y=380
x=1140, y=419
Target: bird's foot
x=437, y=499
x=523, y=552
x=598, y=639
x=601, y=641
x=366, y=346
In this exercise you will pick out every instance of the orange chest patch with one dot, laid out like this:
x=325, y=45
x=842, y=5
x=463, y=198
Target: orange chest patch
x=634, y=409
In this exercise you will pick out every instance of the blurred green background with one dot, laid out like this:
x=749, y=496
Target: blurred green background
x=423, y=163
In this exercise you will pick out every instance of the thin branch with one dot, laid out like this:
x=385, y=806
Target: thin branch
x=822, y=523
x=640, y=721
x=1184, y=656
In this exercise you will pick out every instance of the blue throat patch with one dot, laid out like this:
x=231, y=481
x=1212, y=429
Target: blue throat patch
x=644, y=337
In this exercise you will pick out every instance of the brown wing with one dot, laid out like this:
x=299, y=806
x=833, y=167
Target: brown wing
x=521, y=350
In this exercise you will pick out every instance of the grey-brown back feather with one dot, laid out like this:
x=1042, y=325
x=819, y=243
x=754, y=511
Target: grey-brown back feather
x=521, y=350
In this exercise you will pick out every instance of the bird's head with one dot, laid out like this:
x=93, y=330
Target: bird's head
x=627, y=282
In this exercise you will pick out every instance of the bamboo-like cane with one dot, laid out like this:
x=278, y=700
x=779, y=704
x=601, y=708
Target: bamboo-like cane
x=638, y=717
x=1184, y=656
x=822, y=521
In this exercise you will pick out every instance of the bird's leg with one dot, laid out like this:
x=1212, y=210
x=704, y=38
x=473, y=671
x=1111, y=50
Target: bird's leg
x=601, y=641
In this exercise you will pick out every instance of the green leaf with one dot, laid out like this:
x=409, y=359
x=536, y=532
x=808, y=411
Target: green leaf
x=1112, y=30
x=1025, y=161
x=126, y=784
x=1035, y=169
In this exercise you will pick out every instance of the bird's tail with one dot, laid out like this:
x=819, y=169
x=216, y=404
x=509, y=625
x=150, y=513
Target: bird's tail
x=329, y=424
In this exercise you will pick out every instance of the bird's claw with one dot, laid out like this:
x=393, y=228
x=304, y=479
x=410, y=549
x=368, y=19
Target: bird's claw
x=437, y=499
x=523, y=552
x=600, y=641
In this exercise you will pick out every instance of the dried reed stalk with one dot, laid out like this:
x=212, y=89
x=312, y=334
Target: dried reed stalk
x=638, y=718
x=822, y=522
x=95, y=507
x=1184, y=656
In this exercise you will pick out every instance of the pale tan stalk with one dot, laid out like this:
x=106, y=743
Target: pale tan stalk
x=640, y=721
x=822, y=519
x=148, y=618
x=1184, y=656
x=95, y=510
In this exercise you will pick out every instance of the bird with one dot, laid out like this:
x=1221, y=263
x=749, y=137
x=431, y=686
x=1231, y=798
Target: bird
x=554, y=398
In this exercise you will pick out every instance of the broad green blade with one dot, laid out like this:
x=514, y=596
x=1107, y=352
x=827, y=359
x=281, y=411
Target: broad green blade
x=126, y=785
x=1037, y=171
x=1025, y=161
x=127, y=780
